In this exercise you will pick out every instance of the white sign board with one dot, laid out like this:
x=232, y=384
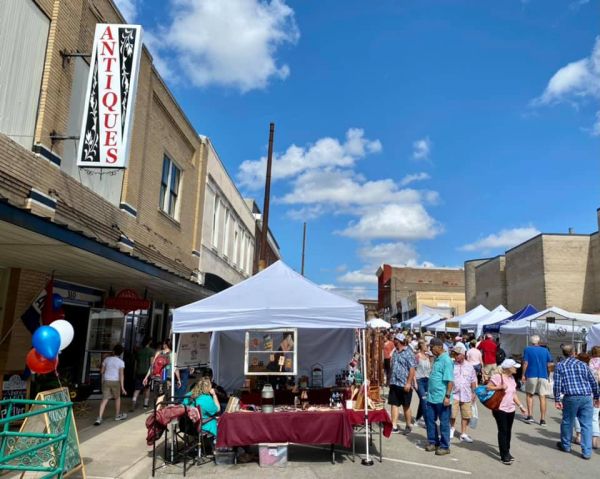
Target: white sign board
x=110, y=99
x=193, y=349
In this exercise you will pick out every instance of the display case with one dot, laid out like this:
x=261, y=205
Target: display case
x=271, y=352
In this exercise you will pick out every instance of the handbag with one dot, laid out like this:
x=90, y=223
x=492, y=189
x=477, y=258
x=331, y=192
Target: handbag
x=490, y=399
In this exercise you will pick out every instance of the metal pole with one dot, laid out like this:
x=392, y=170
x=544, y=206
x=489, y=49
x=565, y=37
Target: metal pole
x=262, y=261
x=303, y=248
x=367, y=461
x=173, y=366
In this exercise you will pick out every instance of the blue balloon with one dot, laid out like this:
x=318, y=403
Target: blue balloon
x=46, y=341
x=57, y=301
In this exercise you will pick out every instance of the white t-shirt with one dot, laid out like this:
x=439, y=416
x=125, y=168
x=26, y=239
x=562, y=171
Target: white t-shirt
x=112, y=365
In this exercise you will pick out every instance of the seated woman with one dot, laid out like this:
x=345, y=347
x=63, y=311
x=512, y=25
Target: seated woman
x=204, y=396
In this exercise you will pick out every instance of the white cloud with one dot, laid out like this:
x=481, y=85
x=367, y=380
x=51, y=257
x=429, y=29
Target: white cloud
x=306, y=213
x=232, y=43
x=505, y=239
x=355, y=292
x=574, y=82
x=577, y=4
x=408, y=179
x=422, y=149
x=128, y=9
x=397, y=253
x=394, y=221
x=358, y=277
x=325, y=152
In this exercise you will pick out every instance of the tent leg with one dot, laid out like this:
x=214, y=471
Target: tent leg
x=172, y=425
x=367, y=461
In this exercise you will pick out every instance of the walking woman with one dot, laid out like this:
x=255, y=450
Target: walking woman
x=422, y=372
x=505, y=414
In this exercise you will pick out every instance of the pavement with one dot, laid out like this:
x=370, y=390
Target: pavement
x=118, y=450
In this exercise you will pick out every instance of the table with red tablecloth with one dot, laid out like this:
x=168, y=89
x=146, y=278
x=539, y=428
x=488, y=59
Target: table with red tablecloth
x=301, y=427
x=376, y=416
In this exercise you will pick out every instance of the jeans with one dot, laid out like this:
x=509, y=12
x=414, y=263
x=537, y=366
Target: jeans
x=180, y=392
x=580, y=407
x=422, y=393
x=440, y=437
x=504, y=421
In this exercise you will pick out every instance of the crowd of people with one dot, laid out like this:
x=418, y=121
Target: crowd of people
x=444, y=372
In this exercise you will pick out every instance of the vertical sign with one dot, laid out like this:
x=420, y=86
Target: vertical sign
x=110, y=99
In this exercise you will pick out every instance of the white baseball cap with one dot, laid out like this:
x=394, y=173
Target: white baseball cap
x=400, y=337
x=509, y=363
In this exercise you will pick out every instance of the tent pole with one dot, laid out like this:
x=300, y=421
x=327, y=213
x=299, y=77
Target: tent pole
x=367, y=461
x=173, y=365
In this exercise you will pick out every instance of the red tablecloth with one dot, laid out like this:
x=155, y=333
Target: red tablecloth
x=302, y=427
x=379, y=416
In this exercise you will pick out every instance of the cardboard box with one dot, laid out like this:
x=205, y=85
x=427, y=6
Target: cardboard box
x=273, y=455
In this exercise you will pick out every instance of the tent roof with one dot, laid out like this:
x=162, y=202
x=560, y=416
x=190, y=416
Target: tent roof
x=523, y=313
x=593, y=337
x=431, y=320
x=497, y=314
x=472, y=317
x=518, y=327
x=277, y=297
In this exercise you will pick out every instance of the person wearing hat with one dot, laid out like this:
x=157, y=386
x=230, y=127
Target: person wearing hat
x=439, y=400
x=403, y=366
x=505, y=414
x=458, y=341
x=465, y=382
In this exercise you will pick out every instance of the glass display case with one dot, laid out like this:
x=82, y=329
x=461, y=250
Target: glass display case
x=271, y=352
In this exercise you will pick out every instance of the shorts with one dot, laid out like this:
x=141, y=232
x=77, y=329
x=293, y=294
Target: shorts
x=466, y=411
x=139, y=382
x=399, y=397
x=539, y=386
x=111, y=389
x=489, y=369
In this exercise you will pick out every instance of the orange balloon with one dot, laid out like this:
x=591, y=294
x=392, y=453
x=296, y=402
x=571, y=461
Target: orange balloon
x=39, y=364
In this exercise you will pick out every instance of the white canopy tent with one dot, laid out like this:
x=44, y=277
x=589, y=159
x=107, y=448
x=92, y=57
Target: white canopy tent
x=431, y=320
x=378, y=323
x=554, y=325
x=474, y=313
x=593, y=337
x=277, y=297
x=414, y=321
x=497, y=314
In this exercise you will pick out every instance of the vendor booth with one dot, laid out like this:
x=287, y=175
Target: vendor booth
x=278, y=324
x=494, y=328
x=593, y=337
x=497, y=314
x=455, y=324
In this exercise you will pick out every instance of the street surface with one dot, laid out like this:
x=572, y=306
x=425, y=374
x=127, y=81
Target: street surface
x=118, y=450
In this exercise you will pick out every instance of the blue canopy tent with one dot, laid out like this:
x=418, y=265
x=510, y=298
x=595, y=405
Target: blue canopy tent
x=523, y=313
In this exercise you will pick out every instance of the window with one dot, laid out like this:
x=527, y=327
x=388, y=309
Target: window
x=235, y=245
x=226, y=240
x=169, y=187
x=216, y=212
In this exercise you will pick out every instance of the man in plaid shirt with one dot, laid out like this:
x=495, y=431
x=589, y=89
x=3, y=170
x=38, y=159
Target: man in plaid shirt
x=574, y=387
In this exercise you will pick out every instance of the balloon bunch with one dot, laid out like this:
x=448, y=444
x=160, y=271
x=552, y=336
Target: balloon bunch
x=48, y=341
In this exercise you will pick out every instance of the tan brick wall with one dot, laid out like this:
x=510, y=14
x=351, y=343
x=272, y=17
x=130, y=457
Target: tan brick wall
x=568, y=272
x=595, y=258
x=524, y=276
x=490, y=283
x=405, y=281
x=437, y=299
x=470, y=282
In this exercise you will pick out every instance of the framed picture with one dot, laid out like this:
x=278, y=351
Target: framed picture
x=271, y=352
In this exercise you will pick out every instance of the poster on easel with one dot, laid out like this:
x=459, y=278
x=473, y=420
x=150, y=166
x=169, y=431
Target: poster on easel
x=14, y=387
x=54, y=422
x=193, y=350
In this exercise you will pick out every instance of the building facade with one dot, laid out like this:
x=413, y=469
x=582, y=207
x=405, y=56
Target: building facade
x=449, y=303
x=395, y=284
x=548, y=270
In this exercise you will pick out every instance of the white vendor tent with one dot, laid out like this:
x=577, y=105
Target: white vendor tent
x=554, y=325
x=414, y=322
x=454, y=324
x=497, y=314
x=378, y=323
x=430, y=321
x=277, y=297
x=593, y=337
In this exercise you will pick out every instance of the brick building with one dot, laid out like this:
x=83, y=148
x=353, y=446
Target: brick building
x=138, y=228
x=395, y=284
x=547, y=270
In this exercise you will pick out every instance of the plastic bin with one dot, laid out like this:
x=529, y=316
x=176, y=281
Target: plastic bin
x=273, y=455
x=225, y=457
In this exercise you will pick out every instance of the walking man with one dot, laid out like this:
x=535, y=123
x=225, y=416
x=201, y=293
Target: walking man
x=113, y=384
x=488, y=348
x=574, y=387
x=439, y=395
x=402, y=377
x=536, y=364
x=465, y=382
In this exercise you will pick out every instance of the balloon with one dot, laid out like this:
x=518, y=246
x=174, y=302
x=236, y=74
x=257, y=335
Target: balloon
x=57, y=301
x=65, y=330
x=39, y=364
x=46, y=341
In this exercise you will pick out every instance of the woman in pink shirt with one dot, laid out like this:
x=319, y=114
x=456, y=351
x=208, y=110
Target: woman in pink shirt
x=475, y=359
x=505, y=414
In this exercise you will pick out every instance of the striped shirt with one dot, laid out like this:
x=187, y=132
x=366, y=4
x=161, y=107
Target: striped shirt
x=573, y=378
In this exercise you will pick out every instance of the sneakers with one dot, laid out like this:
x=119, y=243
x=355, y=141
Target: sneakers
x=422, y=423
x=430, y=448
x=120, y=417
x=562, y=448
x=529, y=419
x=407, y=430
x=465, y=438
x=510, y=458
x=396, y=430
x=506, y=462
x=542, y=423
x=98, y=421
x=442, y=452
x=452, y=431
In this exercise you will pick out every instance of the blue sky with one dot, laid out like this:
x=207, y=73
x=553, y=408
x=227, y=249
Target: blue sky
x=411, y=132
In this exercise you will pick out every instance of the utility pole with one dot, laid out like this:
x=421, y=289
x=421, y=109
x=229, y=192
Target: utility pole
x=303, y=247
x=262, y=262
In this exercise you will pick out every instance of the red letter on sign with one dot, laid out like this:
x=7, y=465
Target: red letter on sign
x=110, y=139
x=109, y=100
x=107, y=35
x=111, y=153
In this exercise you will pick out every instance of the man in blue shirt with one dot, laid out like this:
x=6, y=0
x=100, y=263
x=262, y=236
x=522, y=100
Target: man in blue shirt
x=574, y=388
x=403, y=364
x=439, y=399
x=536, y=362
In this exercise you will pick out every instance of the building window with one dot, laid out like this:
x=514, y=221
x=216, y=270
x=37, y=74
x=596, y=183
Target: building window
x=169, y=187
x=235, y=246
x=226, y=240
x=216, y=211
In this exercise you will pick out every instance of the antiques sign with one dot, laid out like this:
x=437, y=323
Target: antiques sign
x=110, y=99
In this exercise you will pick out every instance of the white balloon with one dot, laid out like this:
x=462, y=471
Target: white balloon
x=65, y=330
